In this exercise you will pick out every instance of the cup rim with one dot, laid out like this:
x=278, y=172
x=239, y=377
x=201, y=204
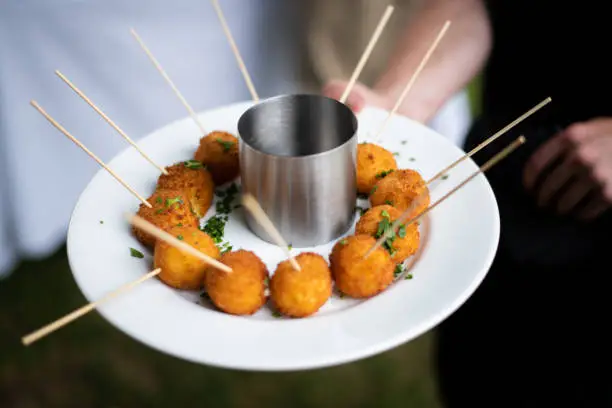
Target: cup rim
x=354, y=121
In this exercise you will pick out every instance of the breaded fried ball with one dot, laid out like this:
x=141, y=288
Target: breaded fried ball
x=218, y=151
x=373, y=163
x=170, y=208
x=405, y=242
x=301, y=293
x=242, y=291
x=179, y=269
x=400, y=189
x=193, y=178
x=357, y=277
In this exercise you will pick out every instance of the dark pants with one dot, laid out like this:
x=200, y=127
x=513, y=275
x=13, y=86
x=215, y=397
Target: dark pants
x=532, y=335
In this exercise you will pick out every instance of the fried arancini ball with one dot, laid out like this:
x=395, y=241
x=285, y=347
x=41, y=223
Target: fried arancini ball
x=193, y=178
x=170, y=208
x=373, y=163
x=301, y=293
x=179, y=269
x=218, y=151
x=242, y=291
x=357, y=277
x=399, y=189
x=407, y=239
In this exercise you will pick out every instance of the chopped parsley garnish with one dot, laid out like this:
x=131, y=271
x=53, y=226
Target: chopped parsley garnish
x=361, y=210
x=404, y=142
x=215, y=227
x=267, y=281
x=180, y=224
x=408, y=276
x=276, y=313
x=179, y=237
x=384, y=174
x=136, y=253
x=399, y=269
x=395, y=153
x=389, y=202
x=373, y=190
x=193, y=164
x=344, y=241
x=444, y=177
x=290, y=247
x=401, y=231
x=171, y=201
x=101, y=222
x=224, y=206
x=385, y=229
x=159, y=211
x=227, y=145
x=225, y=247
x=159, y=200
x=341, y=295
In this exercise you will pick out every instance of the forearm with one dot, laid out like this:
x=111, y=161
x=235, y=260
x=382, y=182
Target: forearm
x=460, y=55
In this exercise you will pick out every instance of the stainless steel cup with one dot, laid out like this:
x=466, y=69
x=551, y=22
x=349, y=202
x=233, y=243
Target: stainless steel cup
x=298, y=159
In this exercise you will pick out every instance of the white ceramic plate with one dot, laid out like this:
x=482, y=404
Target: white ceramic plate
x=459, y=242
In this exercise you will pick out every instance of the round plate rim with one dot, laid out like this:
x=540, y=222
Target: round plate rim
x=382, y=346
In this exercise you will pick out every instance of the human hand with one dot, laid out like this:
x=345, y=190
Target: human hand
x=580, y=158
x=359, y=97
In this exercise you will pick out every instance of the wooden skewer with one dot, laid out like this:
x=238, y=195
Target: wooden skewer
x=89, y=152
x=234, y=47
x=490, y=163
x=491, y=139
x=413, y=79
x=158, y=233
x=251, y=204
x=169, y=81
x=51, y=327
x=108, y=120
x=366, y=54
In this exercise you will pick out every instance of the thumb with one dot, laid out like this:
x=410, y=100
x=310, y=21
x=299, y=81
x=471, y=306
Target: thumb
x=356, y=99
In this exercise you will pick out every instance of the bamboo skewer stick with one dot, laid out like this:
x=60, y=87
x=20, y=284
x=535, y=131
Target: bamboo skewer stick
x=158, y=233
x=366, y=54
x=108, y=120
x=58, y=324
x=89, y=152
x=491, y=139
x=230, y=38
x=251, y=204
x=413, y=79
x=490, y=163
x=163, y=73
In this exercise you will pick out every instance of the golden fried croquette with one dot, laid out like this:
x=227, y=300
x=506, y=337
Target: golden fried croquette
x=399, y=189
x=170, y=208
x=373, y=163
x=357, y=277
x=379, y=219
x=179, y=269
x=242, y=291
x=193, y=178
x=218, y=151
x=301, y=293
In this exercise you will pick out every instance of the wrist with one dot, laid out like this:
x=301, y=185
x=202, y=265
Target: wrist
x=417, y=104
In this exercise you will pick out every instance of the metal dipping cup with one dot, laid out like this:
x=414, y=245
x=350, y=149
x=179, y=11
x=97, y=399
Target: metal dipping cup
x=298, y=159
